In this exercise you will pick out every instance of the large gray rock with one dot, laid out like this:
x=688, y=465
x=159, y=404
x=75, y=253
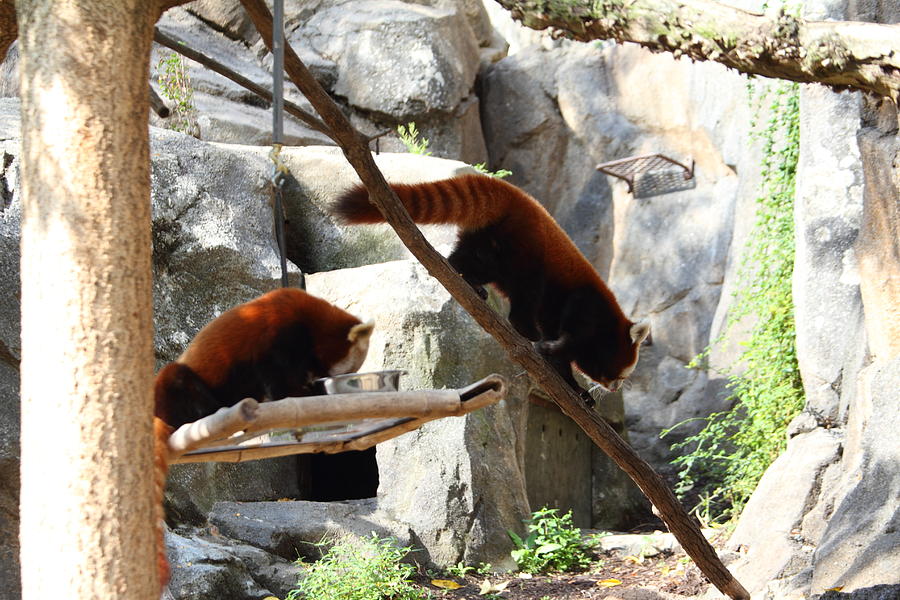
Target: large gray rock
x=457, y=483
x=228, y=112
x=302, y=529
x=394, y=58
x=212, y=249
x=318, y=176
x=395, y=62
x=787, y=491
x=859, y=545
x=204, y=565
x=388, y=61
x=826, y=277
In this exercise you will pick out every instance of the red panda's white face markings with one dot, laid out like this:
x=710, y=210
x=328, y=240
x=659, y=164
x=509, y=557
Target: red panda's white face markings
x=358, y=337
x=638, y=332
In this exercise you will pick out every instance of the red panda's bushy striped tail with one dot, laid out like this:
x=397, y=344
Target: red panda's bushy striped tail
x=470, y=201
x=161, y=433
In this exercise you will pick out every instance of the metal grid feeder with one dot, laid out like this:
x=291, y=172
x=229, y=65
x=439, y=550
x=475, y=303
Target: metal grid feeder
x=651, y=174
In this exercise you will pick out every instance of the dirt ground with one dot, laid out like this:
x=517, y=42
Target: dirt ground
x=611, y=576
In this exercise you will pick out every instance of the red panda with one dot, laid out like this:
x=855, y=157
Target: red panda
x=506, y=238
x=270, y=348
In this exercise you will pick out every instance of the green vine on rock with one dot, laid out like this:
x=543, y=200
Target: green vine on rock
x=727, y=458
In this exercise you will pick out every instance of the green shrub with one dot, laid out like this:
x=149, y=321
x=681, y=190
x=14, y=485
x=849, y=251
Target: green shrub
x=409, y=135
x=360, y=569
x=552, y=544
x=175, y=84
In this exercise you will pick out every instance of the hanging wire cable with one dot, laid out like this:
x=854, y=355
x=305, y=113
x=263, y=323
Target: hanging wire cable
x=279, y=169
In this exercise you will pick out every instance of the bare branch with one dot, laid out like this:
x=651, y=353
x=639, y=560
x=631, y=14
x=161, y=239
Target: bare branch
x=355, y=149
x=839, y=54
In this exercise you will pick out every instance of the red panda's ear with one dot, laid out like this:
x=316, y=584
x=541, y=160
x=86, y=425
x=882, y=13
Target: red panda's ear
x=639, y=331
x=360, y=332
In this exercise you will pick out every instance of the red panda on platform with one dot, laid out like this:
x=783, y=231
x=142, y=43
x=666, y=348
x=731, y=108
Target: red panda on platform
x=270, y=348
x=506, y=238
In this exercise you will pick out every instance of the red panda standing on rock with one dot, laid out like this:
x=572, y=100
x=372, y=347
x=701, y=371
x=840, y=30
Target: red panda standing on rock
x=506, y=238
x=270, y=348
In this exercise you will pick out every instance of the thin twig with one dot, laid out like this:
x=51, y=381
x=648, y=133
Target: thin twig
x=355, y=149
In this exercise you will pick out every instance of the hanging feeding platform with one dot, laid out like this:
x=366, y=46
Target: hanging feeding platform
x=651, y=174
x=334, y=422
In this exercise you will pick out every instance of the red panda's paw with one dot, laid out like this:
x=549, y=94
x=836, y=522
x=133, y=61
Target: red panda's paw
x=587, y=398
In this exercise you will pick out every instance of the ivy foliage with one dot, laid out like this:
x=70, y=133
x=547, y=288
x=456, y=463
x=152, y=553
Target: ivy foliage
x=727, y=458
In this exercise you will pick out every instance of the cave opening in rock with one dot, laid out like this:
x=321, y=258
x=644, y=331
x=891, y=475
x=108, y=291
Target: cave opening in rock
x=344, y=476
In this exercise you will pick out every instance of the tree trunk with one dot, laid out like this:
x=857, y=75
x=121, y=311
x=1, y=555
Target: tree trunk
x=87, y=514
x=840, y=54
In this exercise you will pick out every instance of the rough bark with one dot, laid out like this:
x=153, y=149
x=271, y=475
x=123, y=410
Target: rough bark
x=87, y=513
x=353, y=145
x=840, y=54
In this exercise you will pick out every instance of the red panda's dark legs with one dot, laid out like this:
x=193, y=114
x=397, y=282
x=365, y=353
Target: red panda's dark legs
x=527, y=293
x=477, y=258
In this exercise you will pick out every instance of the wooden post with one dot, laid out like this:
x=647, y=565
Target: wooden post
x=352, y=143
x=87, y=511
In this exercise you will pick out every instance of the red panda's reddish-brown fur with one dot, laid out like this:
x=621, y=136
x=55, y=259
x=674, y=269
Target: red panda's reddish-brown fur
x=508, y=239
x=270, y=348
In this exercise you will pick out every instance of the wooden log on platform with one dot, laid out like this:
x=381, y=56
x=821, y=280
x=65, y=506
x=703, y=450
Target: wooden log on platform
x=211, y=439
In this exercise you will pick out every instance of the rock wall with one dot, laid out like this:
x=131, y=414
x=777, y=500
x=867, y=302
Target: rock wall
x=673, y=258
x=551, y=114
x=825, y=514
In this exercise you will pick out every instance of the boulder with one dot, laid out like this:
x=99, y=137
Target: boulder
x=421, y=56
x=316, y=243
x=212, y=249
x=205, y=565
x=826, y=276
x=858, y=546
x=227, y=112
x=457, y=483
x=303, y=529
x=390, y=57
x=787, y=491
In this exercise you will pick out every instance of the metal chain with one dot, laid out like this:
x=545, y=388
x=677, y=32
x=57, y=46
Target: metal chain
x=279, y=169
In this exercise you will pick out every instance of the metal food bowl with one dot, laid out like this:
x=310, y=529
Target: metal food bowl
x=351, y=383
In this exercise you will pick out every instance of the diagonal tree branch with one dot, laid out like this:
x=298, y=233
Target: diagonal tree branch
x=354, y=147
x=839, y=54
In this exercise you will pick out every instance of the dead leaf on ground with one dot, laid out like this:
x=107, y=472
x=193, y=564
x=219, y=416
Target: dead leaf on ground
x=446, y=584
